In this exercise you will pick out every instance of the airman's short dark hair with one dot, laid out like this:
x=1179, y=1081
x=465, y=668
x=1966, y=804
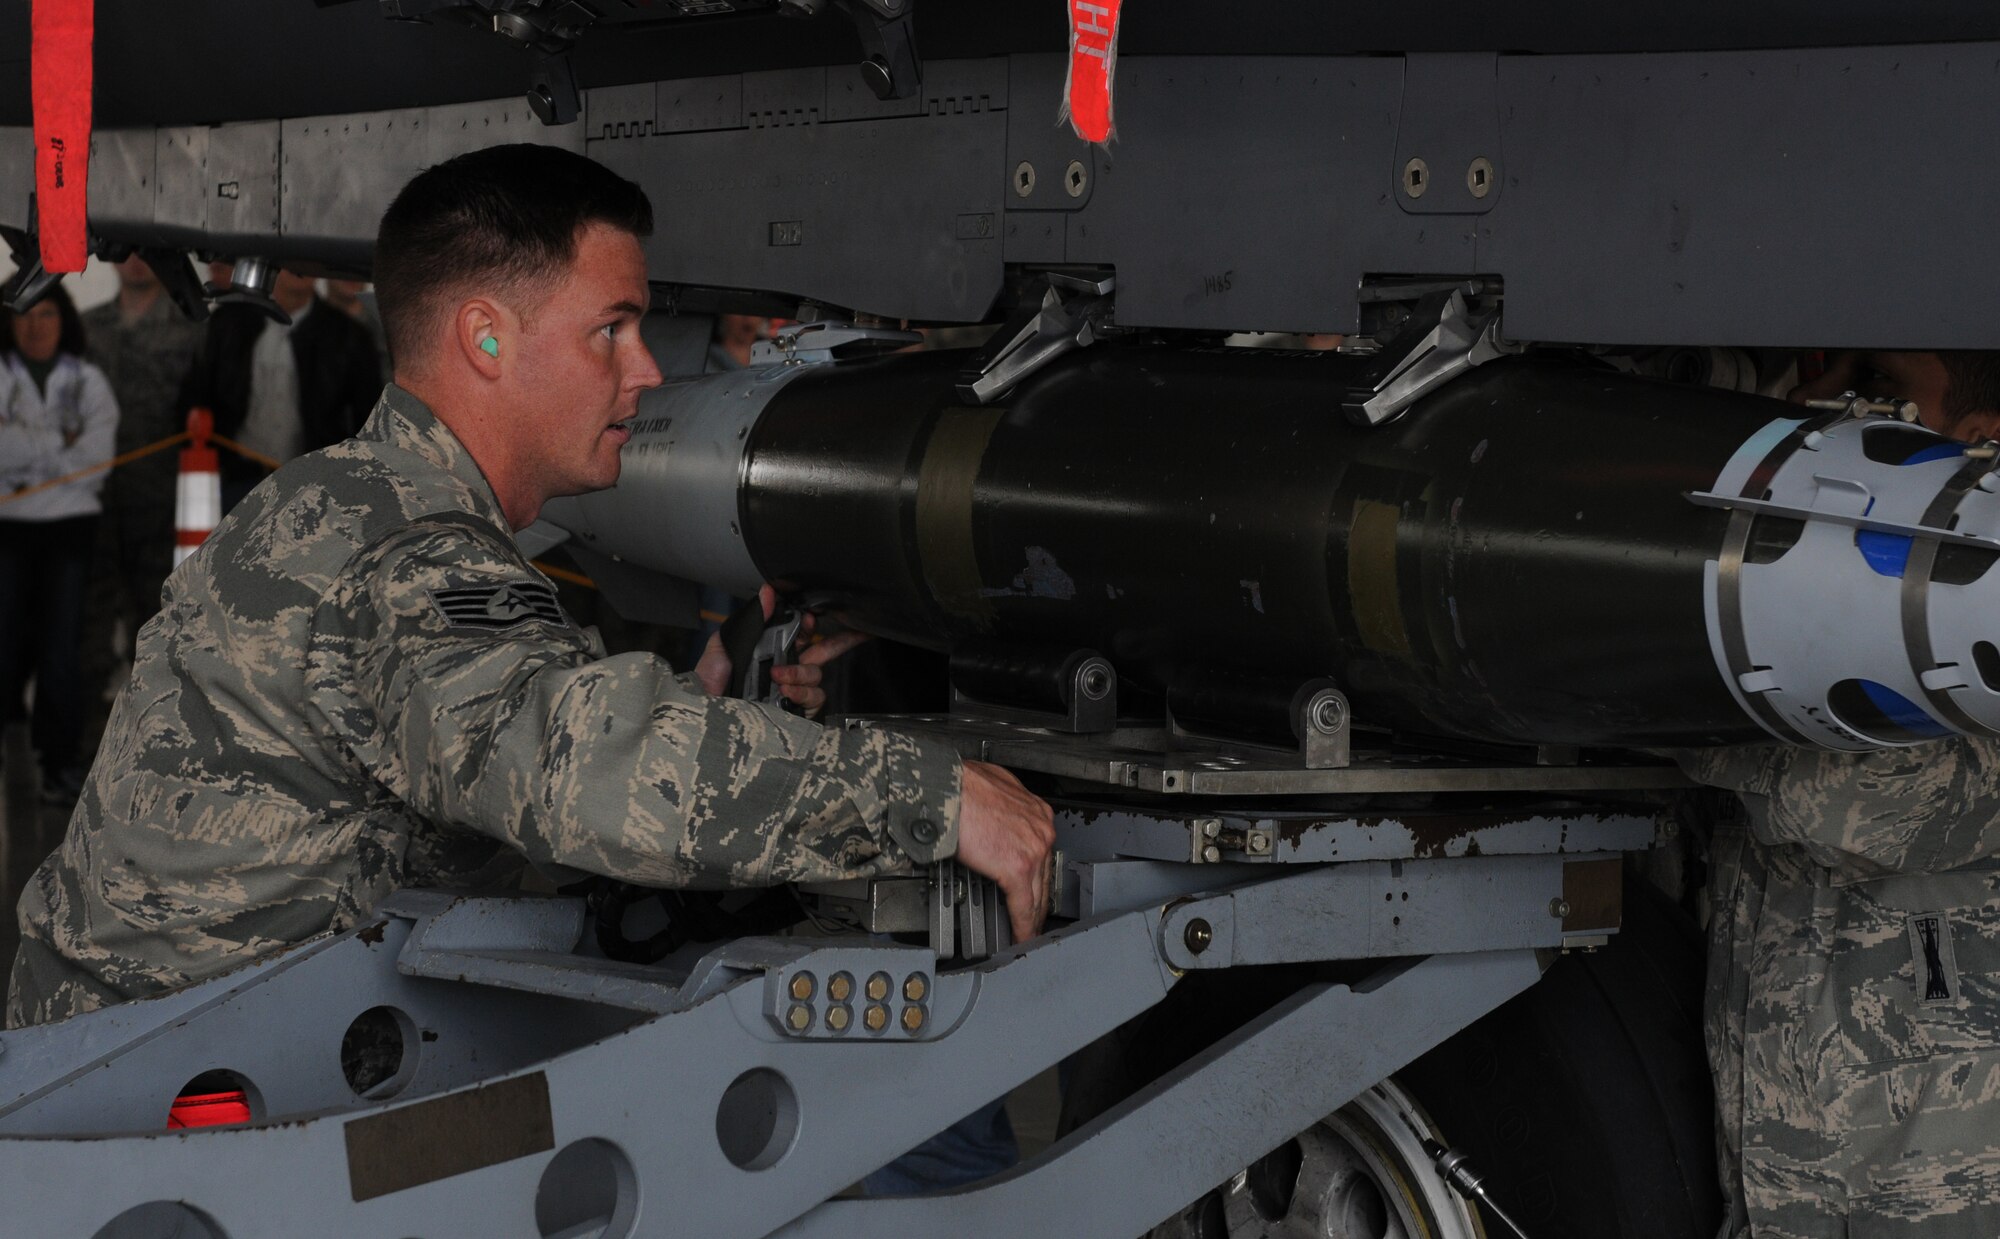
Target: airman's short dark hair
x=1972, y=386
x=505, y=218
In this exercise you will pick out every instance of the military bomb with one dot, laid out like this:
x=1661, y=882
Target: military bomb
x=1542, y=551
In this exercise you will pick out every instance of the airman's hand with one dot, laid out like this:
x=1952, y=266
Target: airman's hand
x=1008, y=833
x=799, y=681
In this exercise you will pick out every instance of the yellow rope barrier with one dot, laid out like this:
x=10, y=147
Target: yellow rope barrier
x=252, y=455
x=249, y=454
x=564, y=574
x=124, y=458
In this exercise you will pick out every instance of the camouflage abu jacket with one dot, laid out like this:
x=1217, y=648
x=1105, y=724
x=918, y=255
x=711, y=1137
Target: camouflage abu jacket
x=359, y=684
x=1853, y=1006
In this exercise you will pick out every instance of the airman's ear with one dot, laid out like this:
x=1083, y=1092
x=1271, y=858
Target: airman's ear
x=476, y=331
x=1977, y=426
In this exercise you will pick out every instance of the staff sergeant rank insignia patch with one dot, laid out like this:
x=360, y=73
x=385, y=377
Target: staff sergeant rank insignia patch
x=496, y=608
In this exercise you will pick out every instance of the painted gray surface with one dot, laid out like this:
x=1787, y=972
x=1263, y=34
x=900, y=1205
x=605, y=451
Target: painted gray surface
x=1279, y=1074
x=652, y=1090
x=826, y=200
x=1375, y=910
x=340, y=174
x=1823, y=197
x=643, y=1062
x=122, y=185
x=1330, y=835
x=241, y=184
x=1833, y=197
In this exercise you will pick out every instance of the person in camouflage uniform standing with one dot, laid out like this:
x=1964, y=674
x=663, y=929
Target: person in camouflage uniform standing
x=1853, y=1007
x=359, y=683
x=144, y=345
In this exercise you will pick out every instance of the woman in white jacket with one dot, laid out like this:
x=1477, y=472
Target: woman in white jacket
x=57, y=416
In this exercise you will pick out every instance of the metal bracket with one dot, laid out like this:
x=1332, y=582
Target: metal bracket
x=1847, y=404
x=1319, y=717
x=968, y=915
x=250, y=283
x=548, y=28
x=889, y=62
x=552, y=92
x=1378, y=909
x=177, y=275
x=31, y=280
x=1036, y=338
x=1460, y=335
x=1324, y=727
x=1766, y=507
x=824, y=341
x=1089, y=700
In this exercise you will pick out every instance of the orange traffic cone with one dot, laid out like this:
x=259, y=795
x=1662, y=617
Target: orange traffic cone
x=198, y=501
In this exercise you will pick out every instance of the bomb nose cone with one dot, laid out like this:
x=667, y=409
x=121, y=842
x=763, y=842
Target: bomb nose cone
x=1852, y=604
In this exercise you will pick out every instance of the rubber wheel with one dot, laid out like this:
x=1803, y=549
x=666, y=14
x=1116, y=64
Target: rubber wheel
x=1584, y=1104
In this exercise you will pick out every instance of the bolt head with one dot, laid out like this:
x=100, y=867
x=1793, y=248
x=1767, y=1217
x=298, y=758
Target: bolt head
x=840, y=987
x=875, y=72
x=875, y=1018
x=1416, y=178
x=802, y=985
x=1329, y=714
x=913, y=1019
x=1479, y=177
x=1075, y=178
x=1198, y=936
x=838, y=1018
x=916, y=987
x=1559, y=907
x=799, y=1018
x=878, y=987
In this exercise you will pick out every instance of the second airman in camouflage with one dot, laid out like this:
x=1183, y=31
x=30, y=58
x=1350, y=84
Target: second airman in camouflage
x=1853, y=1013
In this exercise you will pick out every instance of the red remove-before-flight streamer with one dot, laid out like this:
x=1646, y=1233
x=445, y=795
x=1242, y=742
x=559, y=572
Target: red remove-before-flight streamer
x=1093, y=58
x=60, y=66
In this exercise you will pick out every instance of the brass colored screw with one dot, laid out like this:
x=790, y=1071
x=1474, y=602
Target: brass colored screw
x=800, y=1017
x=876, y=1017
x=802, y=985
x=837, y=1017
x=913, y=1018
x=840, y=987
x=915, y=986
x=878, y=987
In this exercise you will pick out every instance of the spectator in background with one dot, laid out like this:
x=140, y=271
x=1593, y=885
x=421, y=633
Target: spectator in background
x=145, y=347
x=356, y=299
x=57, y=415
x=282, y=391
x=735, y=336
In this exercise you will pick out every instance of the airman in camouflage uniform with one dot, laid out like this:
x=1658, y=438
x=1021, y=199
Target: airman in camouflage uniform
x=145, y=358
x=359, y=684
x=1853, y=1009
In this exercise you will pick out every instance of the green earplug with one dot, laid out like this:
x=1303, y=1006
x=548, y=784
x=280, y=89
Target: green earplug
x=491, y=346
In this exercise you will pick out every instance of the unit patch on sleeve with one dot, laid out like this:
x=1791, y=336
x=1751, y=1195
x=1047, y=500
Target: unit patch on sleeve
x=496, y=608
